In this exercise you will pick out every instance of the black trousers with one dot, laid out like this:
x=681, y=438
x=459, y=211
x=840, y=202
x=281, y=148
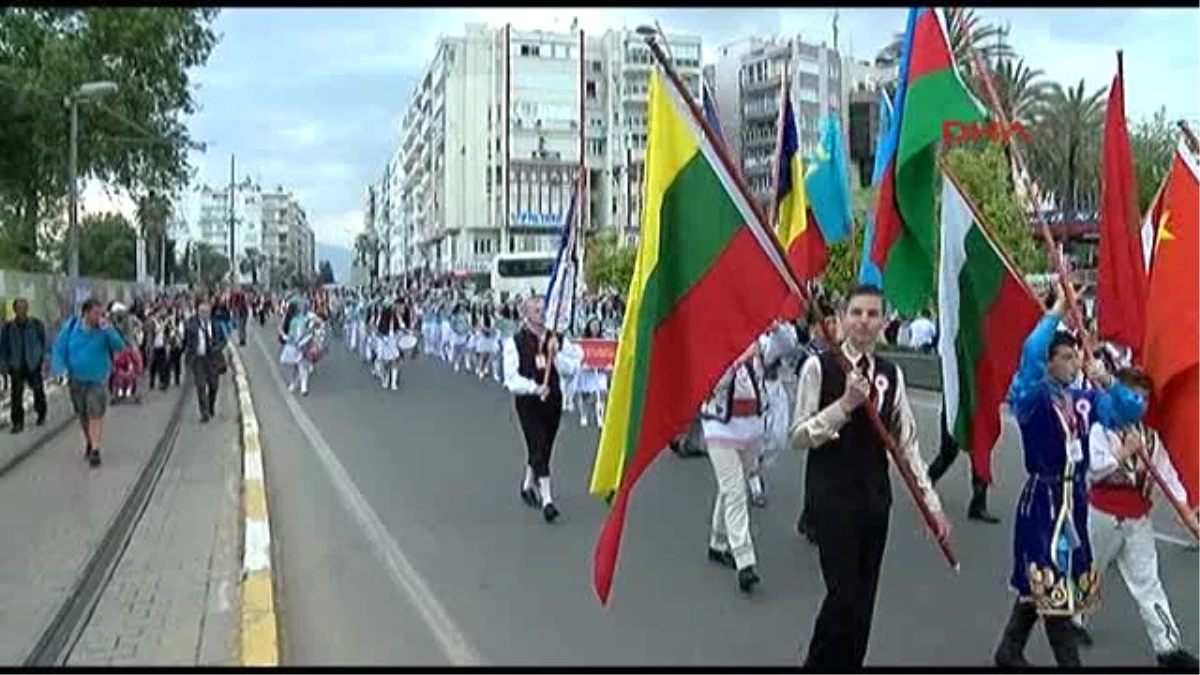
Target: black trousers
x=948, y=453
x=539, y=423
x=159, y=367
x=19, y=378
x=175, y=364
x=850, y=541
x=207, y=383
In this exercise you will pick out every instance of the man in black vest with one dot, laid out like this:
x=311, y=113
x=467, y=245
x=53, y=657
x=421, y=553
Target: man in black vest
x=847, y=488
x=531, y=365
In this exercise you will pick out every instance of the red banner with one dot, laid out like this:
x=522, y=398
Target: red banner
x=599, y=354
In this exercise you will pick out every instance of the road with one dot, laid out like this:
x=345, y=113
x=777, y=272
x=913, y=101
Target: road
x=400, y=539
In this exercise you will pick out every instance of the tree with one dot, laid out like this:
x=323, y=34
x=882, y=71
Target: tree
x=325, y=273
x=366, y=253
x=1065, y=157
x=153, y=213
x=134, y=139
x=208, y=265
x=608, y=264
x=107, y=247
x=982, y=173
x=1153, y=144
x=252, y=261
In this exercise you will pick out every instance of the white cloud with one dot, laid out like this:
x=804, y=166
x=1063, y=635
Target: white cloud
x=98, y=198
x=337, y=228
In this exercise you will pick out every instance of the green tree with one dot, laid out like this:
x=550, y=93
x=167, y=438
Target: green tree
x=1153, y=144
x=608, y=264
x=1065, y=157
x=251, y=263
x=153, y=214
x=107, y=247
x=134, y=139
x=208, y=265
x=982, y=173
x=325, y=273
x=845, y=256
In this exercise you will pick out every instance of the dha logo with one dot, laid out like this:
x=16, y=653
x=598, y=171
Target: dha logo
x=997, y=132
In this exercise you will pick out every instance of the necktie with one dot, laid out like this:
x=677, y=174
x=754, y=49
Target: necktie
x=864, y=366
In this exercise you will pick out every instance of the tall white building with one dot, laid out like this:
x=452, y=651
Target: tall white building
x=245, y=214
x=269, y=222
x=492, y=138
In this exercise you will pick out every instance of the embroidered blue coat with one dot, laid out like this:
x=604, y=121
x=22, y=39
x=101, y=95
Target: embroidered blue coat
x=1052, y=556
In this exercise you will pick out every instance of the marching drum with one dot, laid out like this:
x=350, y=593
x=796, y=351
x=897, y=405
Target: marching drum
x=407, y=342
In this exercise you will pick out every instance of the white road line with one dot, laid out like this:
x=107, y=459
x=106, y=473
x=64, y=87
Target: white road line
x=402, y=572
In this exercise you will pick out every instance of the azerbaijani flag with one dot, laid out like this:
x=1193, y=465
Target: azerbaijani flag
x=985, y=312
x=929, y=93
x=708, y=280
x=869, y=272
x=827, y=187
x=564, y=277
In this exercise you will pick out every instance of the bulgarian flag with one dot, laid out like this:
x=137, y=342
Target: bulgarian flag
x=985, y=313
x=708, y=280
x=929, y=93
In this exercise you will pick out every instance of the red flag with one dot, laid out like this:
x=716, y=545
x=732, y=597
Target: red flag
x=1121, y=277
x=1170, y=352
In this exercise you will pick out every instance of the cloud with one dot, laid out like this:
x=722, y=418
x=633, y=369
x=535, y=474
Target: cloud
x=311, y=99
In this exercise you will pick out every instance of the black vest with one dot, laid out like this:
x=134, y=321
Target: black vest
x=528, y=348
x=851, y=471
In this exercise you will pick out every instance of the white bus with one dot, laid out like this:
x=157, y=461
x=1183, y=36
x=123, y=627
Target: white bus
x=521, y=274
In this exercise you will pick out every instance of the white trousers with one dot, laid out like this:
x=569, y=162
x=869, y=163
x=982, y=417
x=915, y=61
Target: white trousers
x=300, y=377
x=731, y=515
x=1130, y=543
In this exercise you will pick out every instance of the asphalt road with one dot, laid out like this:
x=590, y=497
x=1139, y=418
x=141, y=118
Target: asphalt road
x=400, y=539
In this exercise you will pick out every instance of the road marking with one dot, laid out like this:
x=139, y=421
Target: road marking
x=259, y=627
x=450, y=638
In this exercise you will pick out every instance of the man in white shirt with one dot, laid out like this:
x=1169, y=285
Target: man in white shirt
x=922, y=333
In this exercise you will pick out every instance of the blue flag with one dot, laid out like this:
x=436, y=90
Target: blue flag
x=709, y=103
x=869, y=272
x=827, y=186
x=564, y=278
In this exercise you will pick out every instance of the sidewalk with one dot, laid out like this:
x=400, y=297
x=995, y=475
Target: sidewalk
x=14, y=446
x=173, y=596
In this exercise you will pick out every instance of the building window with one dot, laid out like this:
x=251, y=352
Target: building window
x=590, y=90
x=530, y=50
x=596, y=66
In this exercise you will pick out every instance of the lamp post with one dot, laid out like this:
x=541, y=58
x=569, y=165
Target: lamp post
x=85, y=91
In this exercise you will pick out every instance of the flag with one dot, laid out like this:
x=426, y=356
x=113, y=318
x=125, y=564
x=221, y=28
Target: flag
x=1121, y=273
x=709, y=102
x=827, y=187
x=707, y=281
x=869, y=272
x=803, y=243
x=1150, y=224
x=929, y=93
x=564, y=276
x=985, y=312
x=1173, y=322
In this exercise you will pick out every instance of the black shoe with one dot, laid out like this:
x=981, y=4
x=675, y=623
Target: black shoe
x=41, y=421
x=94, y=457
x=17, y=428
x=1082, y=635
x=723, y=558
x=1178, y=659
x=982, y=516
x=747, y=579
x=530, y=497
x=1011, y=651
x=204, y=418
x=550, y=512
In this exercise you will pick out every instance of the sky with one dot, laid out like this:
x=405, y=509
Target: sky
x=311, y=99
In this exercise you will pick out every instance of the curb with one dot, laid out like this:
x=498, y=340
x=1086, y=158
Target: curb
x=258, y=628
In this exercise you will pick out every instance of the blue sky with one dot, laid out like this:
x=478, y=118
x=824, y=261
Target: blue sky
x=311, y=98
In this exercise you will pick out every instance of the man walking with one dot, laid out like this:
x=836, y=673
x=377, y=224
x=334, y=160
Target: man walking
x=204, y=345
x=83, y=352
x=22, y=351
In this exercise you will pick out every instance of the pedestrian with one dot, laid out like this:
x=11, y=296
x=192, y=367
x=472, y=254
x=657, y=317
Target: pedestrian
x=821, y=324
x=1052, y=554
x=1119, y=521
x=158, y=337
x=204, y=346
x=533, y=369
x=778, y=345
x=83, y=352
x=388, y=329
x=848, y=490
x=947, y=453
x=734, y=433
x=175, y=345
x=591, y=384
x=297, y=333
x=22, y=353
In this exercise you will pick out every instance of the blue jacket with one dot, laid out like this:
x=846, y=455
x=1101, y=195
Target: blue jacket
x=85, y=354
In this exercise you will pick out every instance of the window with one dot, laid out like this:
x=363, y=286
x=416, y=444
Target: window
x=590, y=90
x=530, y=50
x=597, y=66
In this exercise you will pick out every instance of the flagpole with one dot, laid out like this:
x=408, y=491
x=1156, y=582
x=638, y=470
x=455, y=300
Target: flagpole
x=794, y=283
x=1060, y=266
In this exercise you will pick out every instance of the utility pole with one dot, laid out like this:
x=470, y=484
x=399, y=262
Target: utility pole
x=232, y=225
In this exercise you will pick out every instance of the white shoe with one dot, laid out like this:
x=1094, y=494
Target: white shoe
x=583, y=422
x=291, y=387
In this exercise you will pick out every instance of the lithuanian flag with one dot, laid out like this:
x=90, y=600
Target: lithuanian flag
x=929, y=94
x=707, y=281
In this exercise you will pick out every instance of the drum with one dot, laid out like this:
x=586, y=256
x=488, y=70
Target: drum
x=407, y=342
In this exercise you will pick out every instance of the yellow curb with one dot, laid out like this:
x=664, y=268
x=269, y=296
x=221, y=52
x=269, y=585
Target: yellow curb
x=258, y=629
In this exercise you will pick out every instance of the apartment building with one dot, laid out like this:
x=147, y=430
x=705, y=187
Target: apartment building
x=245, y=215
x=492, y=138
x=269, y=222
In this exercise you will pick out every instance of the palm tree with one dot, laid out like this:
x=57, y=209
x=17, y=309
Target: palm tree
x=252, y=261
x=366, y=251
x=1066, y=149
x=153, y=214
x=968, y=36
x=1021, y=92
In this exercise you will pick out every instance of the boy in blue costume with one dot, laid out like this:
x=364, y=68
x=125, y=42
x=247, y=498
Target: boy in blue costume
x=1052, y=557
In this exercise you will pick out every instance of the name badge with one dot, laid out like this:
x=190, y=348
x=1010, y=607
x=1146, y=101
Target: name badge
x=540, y=362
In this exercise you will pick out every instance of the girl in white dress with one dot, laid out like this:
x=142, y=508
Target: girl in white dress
x=487, y=343
x=297, y=332
x=388, y=330
x=460, y=335
x=591, y=384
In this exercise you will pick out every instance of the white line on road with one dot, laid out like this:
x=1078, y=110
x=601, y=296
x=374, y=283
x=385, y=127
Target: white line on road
x=447, y=633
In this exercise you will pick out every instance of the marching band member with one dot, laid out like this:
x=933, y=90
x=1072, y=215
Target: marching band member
x=1119, y=520
x=533, y=365
x=460, y=333
x=486, y=343
x=298, y=333
x=388, y=331
x=591, y=383
x=732, y=418
x=1052, y=554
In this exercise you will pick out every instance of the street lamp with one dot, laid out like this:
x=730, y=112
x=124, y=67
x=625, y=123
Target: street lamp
x=86, y=91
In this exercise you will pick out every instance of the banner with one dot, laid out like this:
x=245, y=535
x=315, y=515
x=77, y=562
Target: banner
x=597, y=353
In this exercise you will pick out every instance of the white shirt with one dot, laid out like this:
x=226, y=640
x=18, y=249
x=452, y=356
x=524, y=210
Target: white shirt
x=1105, y=468
x=566, y=362
x=921, y=333
x=202, y=339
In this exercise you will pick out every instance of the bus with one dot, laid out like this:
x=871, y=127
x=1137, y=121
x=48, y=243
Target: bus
x=521, y=274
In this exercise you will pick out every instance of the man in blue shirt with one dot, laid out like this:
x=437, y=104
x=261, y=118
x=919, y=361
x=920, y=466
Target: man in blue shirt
x=83, y=352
